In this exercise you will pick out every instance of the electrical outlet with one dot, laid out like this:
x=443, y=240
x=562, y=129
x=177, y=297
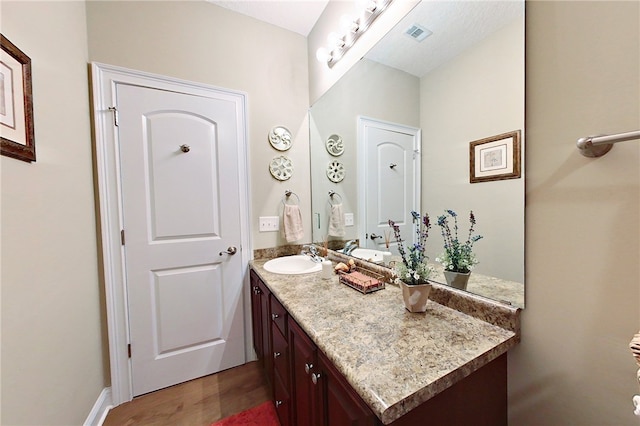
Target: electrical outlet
x=269, y=223
x=348, y=219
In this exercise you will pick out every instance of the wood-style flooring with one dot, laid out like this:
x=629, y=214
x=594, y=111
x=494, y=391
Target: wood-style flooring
x=197, y=402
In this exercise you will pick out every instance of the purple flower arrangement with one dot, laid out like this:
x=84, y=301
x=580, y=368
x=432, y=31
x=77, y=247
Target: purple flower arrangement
x=458, y=256
x=414, y=268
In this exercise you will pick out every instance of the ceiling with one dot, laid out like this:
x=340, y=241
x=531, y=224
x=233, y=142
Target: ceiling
x=298, y=16
x=456, y=26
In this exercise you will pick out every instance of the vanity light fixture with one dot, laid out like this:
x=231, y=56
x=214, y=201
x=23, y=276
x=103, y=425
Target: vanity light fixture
x=352, y=29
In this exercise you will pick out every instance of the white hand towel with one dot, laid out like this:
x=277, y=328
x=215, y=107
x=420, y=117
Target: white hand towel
x=292, y=223
x=336, y=221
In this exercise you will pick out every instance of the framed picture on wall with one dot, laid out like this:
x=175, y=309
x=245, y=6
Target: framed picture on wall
x=495, y=158
x=16, y=103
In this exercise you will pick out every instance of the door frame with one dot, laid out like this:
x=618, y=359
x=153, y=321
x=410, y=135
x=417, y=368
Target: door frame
x=363, y=175
x=104, y=79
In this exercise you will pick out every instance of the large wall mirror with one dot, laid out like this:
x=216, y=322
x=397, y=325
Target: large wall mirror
x=463, y=82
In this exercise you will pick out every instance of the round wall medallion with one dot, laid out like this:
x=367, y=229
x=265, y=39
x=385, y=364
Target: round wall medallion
x=335, y=171
x=334, y=145
x=281, y=167
x=280, y=138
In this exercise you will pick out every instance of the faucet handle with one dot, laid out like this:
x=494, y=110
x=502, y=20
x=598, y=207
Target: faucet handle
x=312, y=249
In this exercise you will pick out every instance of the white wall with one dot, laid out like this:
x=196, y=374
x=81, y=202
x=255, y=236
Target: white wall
x=573, y=366
x=201, y=42
x=52, y=362
x=471, y=98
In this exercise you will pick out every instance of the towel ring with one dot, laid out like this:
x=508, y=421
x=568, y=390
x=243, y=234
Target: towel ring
x=332, y=194
x=288, y=194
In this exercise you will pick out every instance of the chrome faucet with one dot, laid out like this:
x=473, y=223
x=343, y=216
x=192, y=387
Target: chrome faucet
x=349, y=247
x=311, y=251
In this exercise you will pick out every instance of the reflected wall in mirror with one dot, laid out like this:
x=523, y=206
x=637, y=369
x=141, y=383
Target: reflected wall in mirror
x=463, y=83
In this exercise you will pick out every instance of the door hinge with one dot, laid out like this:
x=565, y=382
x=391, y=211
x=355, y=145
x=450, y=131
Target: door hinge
x=122, y=236
x=129, y=350
x=115, y=115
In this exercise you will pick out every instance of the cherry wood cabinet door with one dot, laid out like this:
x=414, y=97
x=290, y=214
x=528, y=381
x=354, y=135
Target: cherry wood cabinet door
x=303, y=363
x=282, y=401
x=340, y=405
x=265, y=315
x=256, y=314
x=261, y=323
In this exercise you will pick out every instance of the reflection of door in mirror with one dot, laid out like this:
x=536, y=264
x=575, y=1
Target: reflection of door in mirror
x=390, y=184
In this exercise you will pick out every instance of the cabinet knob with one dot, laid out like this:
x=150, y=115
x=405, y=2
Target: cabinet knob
x=276, y=355
x=315, y=377
x=307, y=368
x=278, y=403
x=274, y=316
x=256, y=290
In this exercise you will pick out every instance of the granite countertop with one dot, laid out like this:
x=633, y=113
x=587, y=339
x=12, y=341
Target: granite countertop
x=395, y=359
x=504, y=291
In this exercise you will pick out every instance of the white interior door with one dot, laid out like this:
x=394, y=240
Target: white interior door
x=391, y=187
x=180, y=205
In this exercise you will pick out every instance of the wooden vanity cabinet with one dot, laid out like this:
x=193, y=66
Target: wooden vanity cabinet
x=321, y=395
x=303, y=363
x=260, y=317
x=282, y=391
x=269, y=326
x=309, y=391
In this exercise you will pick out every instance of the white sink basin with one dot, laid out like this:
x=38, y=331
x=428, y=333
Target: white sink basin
x=292, y=265
x=370, y=255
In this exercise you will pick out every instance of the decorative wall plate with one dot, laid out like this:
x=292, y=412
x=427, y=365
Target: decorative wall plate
x=280, y=138
x=335, y=171
x=281, y=167
x=334, y=145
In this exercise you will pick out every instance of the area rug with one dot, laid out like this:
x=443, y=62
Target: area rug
x=261, y=415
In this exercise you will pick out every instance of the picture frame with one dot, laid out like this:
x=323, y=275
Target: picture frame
x=16, y=103
x=495, y=158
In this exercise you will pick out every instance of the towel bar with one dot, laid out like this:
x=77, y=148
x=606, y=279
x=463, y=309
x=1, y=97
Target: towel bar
x=597, y=146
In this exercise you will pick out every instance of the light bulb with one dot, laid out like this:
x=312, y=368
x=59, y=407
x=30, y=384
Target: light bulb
x=335, y=39
x=347, y=24
x=323, y=54
x=369, y=5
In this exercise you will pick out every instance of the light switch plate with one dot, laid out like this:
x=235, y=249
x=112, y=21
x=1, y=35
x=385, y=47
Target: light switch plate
x=348, y=219
x=269, y=223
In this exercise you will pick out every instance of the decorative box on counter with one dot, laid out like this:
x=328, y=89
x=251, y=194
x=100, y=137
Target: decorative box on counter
x=362, y=279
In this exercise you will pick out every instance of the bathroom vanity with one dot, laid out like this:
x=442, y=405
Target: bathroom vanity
x=336, y=356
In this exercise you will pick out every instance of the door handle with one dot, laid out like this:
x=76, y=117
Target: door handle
x=230, y=251
x=375, y=237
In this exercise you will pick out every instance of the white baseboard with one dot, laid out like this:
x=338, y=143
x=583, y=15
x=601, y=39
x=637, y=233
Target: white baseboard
x=100, y=409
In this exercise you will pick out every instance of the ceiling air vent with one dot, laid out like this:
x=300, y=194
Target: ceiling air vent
x=418, y=32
